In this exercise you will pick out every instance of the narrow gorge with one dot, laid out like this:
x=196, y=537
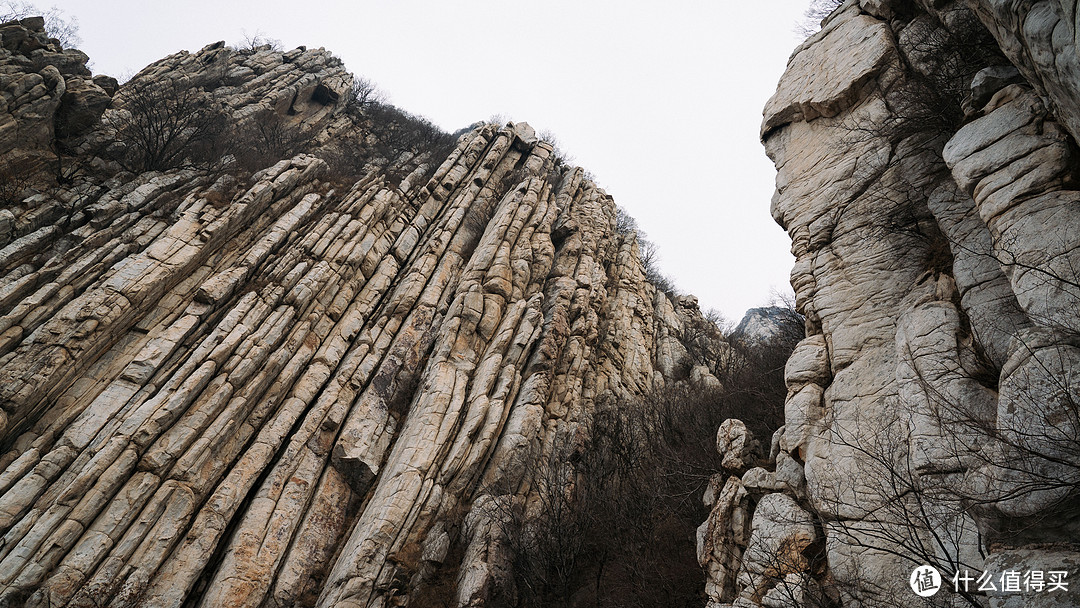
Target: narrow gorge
x=267, y=341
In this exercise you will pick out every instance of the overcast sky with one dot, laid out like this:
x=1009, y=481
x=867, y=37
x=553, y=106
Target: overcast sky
x=660, y=101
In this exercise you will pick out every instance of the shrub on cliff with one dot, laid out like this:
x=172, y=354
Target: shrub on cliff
x=363, y=94
x=265, y=140
x=168, y=124
x=387, y=138
x=252, y=43
x=814, y=15
x=396, y=131
x=17, y=177
x=942, y=58
x=621, y=510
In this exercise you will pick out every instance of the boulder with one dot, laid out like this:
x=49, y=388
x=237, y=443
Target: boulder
x=107, y=84
x=736, y=445
x=81, y=107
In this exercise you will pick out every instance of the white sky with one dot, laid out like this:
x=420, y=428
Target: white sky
x=660, y=101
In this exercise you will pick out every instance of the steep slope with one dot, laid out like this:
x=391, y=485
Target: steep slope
x=292, y=386
x=926, y=163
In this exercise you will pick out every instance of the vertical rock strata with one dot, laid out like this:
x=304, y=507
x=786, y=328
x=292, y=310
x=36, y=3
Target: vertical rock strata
x=926, y=162
x=264, y=390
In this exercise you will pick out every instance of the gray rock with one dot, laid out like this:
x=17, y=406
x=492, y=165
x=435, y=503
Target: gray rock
x=736, y=445
x=81, y=107
x=990, y=80
x=936, y=265
x=261, y=388
x=107, y=84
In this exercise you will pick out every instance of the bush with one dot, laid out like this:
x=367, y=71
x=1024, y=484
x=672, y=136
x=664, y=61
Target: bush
x=753, y=375
x=16, y=179
x=648, y=253
x=362, y=94
x=814, y=15
x=396, y=131
x=941, y=61
x=615, y=516
x=346, y=158
x=166, y=125
x=258, y=41
x=268, y=138
x=562, y=158
x=624, y=222
x=393, y=140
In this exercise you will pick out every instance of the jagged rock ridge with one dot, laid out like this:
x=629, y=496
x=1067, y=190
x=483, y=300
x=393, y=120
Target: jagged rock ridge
x=292, y=387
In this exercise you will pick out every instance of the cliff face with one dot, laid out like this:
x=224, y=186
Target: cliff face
x=926, y=164
x=293, y=386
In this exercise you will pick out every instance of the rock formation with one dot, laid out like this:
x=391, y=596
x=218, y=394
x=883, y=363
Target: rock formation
x=926, y=163
x=306, y=350
x=297, y=385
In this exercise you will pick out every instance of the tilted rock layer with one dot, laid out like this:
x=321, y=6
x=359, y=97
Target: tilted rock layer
x=926, y=163
x=223, y=389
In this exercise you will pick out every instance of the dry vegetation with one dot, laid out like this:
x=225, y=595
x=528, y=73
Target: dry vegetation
x=614, y=520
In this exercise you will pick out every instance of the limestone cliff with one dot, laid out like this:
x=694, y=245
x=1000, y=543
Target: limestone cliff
x=926, y=173
x=289, y=384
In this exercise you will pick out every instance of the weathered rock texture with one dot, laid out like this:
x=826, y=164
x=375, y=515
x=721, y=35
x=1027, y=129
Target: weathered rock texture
x=926, y=159
x=223, y=389
x=48, y=95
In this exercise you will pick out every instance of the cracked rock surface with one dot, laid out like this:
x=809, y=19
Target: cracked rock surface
x=286, y=388
x=926, y=163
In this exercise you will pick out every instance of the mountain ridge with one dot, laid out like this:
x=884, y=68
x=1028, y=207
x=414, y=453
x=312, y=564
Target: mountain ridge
x=240, y=386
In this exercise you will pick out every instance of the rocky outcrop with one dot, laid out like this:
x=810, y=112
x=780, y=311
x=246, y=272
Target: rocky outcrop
x=925, y=157
x=47, y=94
x=761, y=325
x=303, y=385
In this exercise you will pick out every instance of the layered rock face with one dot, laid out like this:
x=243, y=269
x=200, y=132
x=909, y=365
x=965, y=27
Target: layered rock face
x=926, y=159
x=295, y=387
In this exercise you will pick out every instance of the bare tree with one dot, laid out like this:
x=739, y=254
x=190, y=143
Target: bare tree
x=265, y=139
x=611, y=513
x=916, y=519
x=165, y=125
x=16, y=178
x=363, y=94
x=945, y=502
x=649, y=254
x=814, y=15
x=624, y=222
x=547, y=531
x=1003, y=474
x=251, y=43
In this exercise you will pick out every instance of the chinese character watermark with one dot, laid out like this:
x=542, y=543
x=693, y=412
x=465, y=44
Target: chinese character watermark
x=1009, y=581
x=925, y=581
x=1056, y=580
